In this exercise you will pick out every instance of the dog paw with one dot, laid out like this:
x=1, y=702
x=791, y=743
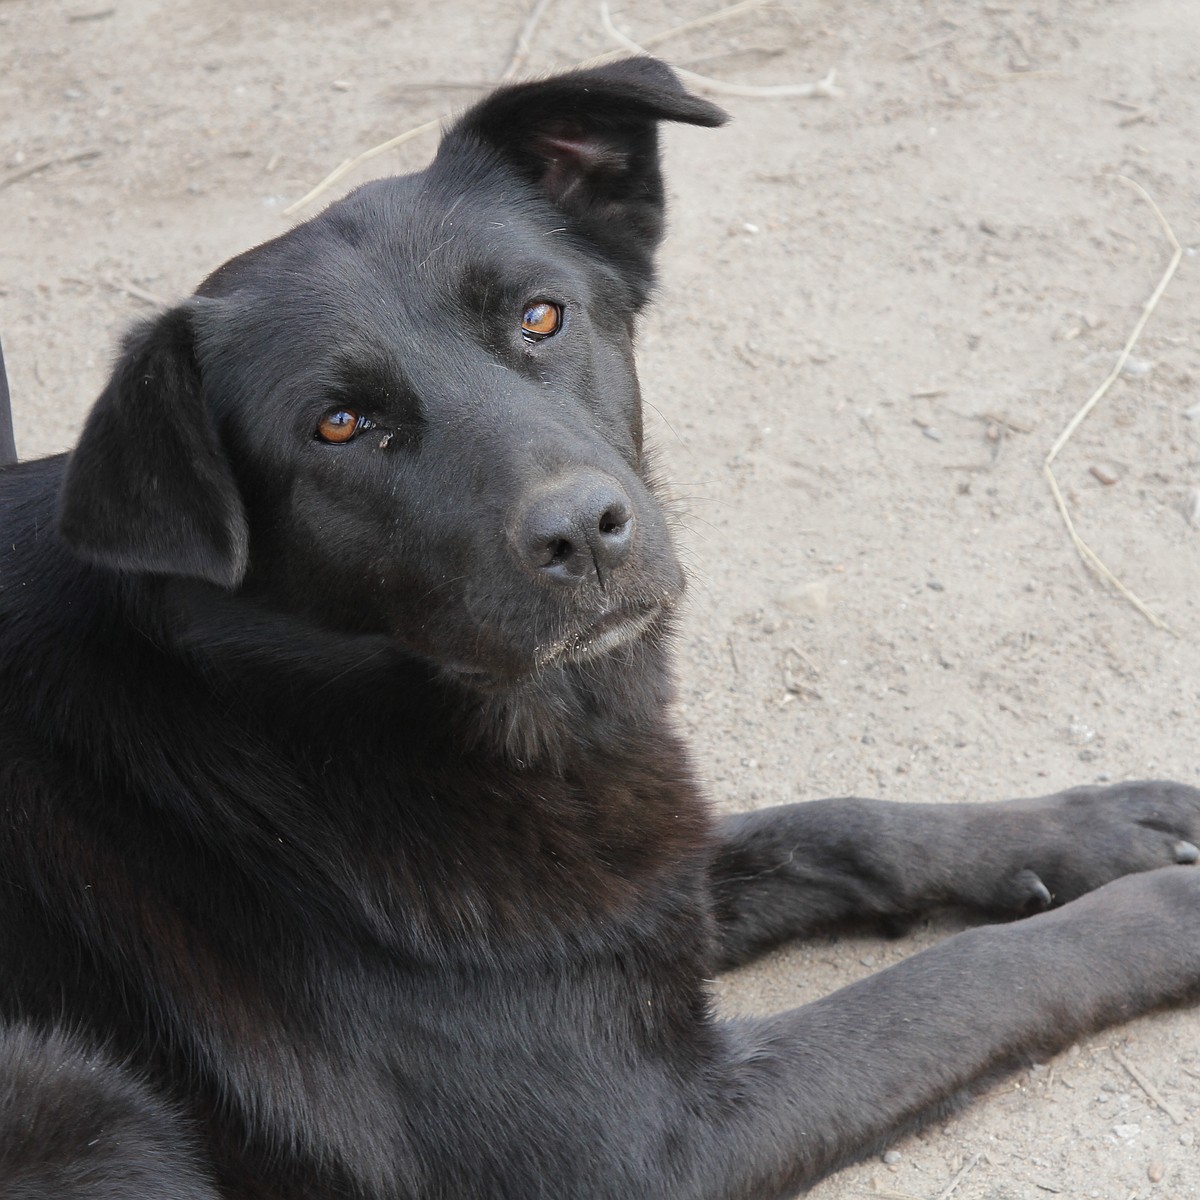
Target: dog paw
x=1081, y=839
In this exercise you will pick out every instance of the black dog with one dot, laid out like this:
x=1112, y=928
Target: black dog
x=347, y=848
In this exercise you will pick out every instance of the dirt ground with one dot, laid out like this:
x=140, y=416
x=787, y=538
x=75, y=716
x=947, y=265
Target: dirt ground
x=878, y=310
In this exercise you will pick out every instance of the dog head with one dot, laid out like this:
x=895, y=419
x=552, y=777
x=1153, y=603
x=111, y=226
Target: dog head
x=417, y=414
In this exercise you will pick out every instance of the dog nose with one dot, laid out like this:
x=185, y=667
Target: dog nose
x=581, y=528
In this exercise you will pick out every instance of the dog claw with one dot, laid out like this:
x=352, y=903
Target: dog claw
x=1032, y=895
x=1185, y=852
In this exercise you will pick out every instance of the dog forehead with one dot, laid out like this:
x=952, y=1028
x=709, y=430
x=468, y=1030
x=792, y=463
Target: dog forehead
x=401, y=252
x=399, y=272
x=441, y=233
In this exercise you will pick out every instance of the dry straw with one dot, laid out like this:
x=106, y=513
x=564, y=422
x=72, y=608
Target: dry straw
x=1089, y=556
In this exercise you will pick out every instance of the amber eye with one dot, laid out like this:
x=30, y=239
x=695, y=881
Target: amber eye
x=541, y=320
x=339, y=425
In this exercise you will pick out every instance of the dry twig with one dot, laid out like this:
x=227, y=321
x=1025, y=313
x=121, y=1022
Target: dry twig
x=366, y=156
x=1173, y=1111
x=722, y=14
x=44, y=164
x=823, y=87
x=1089, y=556
x=524, y=39
x=138, y=293
x=950, y=1188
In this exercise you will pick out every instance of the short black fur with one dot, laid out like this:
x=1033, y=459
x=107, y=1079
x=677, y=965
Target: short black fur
x=349, y=847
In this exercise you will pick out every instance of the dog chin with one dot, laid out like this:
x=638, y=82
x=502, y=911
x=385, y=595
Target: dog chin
x=610, y=633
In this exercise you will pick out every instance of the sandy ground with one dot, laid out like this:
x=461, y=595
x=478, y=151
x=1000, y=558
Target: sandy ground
x=877, y=313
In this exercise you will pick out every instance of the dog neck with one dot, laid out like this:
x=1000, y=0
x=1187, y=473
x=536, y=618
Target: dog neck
x=535, y=722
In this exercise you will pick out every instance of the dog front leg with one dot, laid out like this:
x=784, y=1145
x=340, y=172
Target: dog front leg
x=819, y=1086
x=792, y=870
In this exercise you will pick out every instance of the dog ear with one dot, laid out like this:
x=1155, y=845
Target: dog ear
x=149, y=488
x=589, y=141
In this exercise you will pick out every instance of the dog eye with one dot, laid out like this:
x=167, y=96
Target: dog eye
x=340, y=425
x=541, y=320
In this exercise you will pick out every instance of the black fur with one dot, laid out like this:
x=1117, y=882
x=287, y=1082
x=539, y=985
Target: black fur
x=74, y=1123
x=8, y=447
x=344, y=825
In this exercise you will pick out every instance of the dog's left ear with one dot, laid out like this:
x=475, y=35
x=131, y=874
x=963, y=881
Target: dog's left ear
x=149, y=488
x=589, y=141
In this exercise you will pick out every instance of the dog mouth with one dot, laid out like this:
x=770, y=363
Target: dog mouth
x=609, y=633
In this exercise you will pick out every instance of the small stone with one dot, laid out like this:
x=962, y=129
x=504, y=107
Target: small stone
x=1126, y=1132
x=1079, y=733
x=1155, y=1171
x=892, y=1157
x=1191, y=507
x=1136, y=368
x=1187, y=1138
x=934, y=586
x=809, y=599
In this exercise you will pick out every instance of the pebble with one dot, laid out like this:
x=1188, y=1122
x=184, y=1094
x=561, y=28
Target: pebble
x=1155, y=1171
x=1187, y=1138
x=809, y=599
x=892, y=1157
x=1136, y=368
x=1191, y=506
x=1079, y=733
x=1126, y=1132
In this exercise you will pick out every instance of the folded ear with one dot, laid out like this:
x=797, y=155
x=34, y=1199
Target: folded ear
x=589, y=141
x=149, y=488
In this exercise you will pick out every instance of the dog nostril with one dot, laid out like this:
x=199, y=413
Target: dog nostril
x=614, y=519
x=559, y=550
